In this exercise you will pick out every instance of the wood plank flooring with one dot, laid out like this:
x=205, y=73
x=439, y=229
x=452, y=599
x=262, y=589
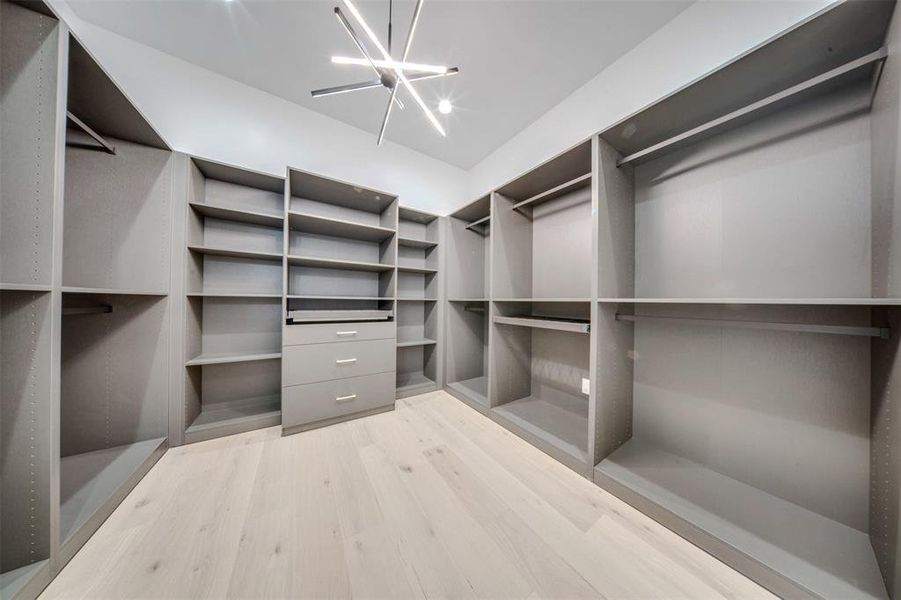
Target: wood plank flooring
x=432, y=500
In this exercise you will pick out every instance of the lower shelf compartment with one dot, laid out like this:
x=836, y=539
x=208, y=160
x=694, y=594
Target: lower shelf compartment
x=412, y=383
x=556, y=423
x=476, y=389
x=90, y=480
x=743, y=525
x=13, y=582
x=237, y=416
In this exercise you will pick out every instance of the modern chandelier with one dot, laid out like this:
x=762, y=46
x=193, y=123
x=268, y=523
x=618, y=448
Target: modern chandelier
x=392, y=74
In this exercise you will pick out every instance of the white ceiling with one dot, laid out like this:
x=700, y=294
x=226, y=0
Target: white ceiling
x=518, y=58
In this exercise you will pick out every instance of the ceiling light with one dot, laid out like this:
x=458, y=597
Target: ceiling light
x=445, y=107
x=390, y=64
x=391, y=73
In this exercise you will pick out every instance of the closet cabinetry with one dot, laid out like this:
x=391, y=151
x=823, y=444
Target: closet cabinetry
x=86, y=215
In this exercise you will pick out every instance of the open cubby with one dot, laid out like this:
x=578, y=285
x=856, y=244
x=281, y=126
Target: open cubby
x=542, y=246
x=466, y=367
x=342, y=245
x=29, y=50
x=417, y=370
x=537, y=373
x=748, y=308
x=235, y=238
x=113, y=404
x=26, y=436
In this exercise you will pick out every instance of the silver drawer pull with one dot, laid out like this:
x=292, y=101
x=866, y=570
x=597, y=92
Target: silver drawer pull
x=345, y=333
x=345, y=361
x=340, y=399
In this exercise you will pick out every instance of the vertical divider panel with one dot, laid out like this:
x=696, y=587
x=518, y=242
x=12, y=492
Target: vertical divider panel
x=511, y=254
x=182, y=194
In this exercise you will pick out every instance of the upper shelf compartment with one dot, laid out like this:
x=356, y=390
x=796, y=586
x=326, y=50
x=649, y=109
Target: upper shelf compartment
x=835, y=47
x=310, y=186
x=99, y=104
x=553, y=179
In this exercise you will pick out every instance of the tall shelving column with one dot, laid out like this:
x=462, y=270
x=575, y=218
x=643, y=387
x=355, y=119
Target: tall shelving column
x=234, y=240
x=32, y=86
x=467, y=258
x=419, y=312
x=747, y=310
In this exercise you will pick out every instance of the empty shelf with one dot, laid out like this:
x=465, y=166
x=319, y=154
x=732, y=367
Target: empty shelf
x=412, y=243
x=828, y=558
x=237, y=214
x=231, y=357
x=305, y=297
x=556, y=422
x=556, y=324
x=24, y=287
x=417, y=299
x=12, y=582
x=407, y=269
x=68, y=289
x=307, y=223
x=230, y=252
x=413, y=343
x=542, y=299
x=555, y=192
x=232, y=295
x=89, y=480
x=883, y=332
x=774, y=301
x=231, y=417
x=411, y=383
x=476, y=389
x=335, y=263
x=468, y=300
x=338, y=315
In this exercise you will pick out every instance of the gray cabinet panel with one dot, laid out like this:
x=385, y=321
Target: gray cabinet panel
x=323, y=362
x=304, y=404
x=295, y=335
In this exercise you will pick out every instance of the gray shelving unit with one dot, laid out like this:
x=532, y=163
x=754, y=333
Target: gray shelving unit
x=747, y=307
x=467, y=275
x=31, y=119
x=419, y=314
x=233, y=281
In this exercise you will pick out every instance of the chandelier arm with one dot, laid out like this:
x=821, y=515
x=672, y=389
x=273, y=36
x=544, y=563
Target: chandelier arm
x=387, y=114
x=350, y=87
x=353, y=35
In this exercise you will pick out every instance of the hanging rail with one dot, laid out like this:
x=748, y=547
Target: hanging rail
x=94, y=135
x=873, y=57
x=880, y=332
x=556, y=192
x=475, y=224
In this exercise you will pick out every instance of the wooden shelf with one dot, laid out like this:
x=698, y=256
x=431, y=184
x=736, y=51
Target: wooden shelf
x=231, y=357
x=542, y=299
x=414, y=243
x=406, y=213
x=826, y=557
x=233, y=253
x=304, y=297
x=335, y=263
x=555, y=324
x=880, y=332
x=313, y=224
x=24, y=287
x=236, y=214
x=468, y=300
x=417, y=299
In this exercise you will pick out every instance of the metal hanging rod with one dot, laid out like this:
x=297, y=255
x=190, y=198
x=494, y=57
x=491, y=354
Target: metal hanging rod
x=94, y=135
x=474, y=308
x=87, y=310
x=475, y=224
x=880, y=332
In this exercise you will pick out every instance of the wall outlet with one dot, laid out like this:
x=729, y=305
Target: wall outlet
x=586, y=386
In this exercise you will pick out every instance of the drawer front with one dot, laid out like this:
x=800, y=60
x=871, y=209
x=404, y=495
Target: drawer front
x=302, y=404
x=324, y=362
x=323, y=333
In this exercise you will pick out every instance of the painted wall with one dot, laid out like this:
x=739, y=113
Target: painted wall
x=208, y=115
x=697, y=41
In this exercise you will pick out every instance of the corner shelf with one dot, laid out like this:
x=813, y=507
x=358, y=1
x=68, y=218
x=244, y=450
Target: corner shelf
x=415, y=243
x=424, y=270
x=234, y=253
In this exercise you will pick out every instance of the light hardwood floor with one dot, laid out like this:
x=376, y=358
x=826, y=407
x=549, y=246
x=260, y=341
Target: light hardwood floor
x=432, y=500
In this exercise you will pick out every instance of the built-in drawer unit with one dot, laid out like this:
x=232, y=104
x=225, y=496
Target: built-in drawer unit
x=323, y=362
x=316, y=402
x=337, y=332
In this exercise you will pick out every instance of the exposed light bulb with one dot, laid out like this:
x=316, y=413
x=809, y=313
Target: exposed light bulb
x=445, y=107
